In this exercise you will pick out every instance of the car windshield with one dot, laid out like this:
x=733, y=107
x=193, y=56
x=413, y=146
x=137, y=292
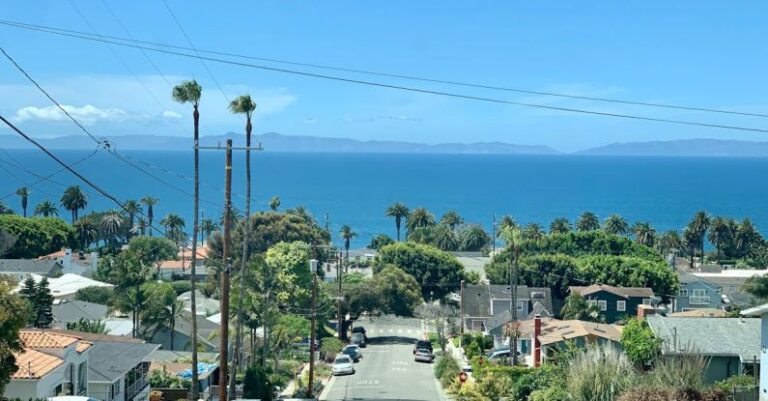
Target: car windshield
x=423, y=351
x=341, y=359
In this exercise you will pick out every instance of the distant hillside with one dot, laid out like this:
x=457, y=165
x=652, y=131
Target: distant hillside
x=274, y=142
x=684, y=147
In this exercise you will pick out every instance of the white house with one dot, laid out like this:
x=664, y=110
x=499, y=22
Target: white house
x=79, y=263
x=761, y=312
x=66, y=286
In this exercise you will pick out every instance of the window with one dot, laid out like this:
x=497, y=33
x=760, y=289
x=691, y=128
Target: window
x=82, y=378
x=520, y=306
x=646, y=301
x=621, y=306
x=603, y=305
x=683, y=292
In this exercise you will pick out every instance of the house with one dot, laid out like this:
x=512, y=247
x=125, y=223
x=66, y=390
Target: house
x=178, y=363
x=182, y=338
x=480, y=303
x=205, y=306
x=80, y=263
x=119, y=370
x=19, y=269
x=50, y=364
x=731, y=344
x=615, y=303
x=180, y=270
x=696, y=293
x=700, y=313
x=541, y=338
x=761, y=312
x=66, y=311
x=66, y=286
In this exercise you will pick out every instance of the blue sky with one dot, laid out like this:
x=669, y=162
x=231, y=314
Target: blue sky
x=706, y=54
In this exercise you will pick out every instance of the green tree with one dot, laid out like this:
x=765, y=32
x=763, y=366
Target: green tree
x=639, y=343
x=699, y=225
x=132, y=208
x=669, y=241
x=398, y=211
x=46, y=208
x=380, y=240
x=274, y=203
x=128, y=274
x=507, y=222
x=257, y=384
x=86, y=232
x=13, y=317
x=151, y=250
x=747, y=237
x=452, y=219
x=473, y=238
x=418, y=218
x=434, y=269
x=719, y=234
x=645, y=234
x=445, y=239
x=5, y=209
x=141, y=227
x=150, y=202
x=43, y=304
x=577, y=308
x=35, y=236
x=400, y=293
x=110, y=228
x=97, y=295
x=691, y=242
x=533, y=232
x=28, y=292
x=347, y=235
x=174, y=227
x=616, y=225
x=88, y=326
x=162, y=311
x=23, y=194
x=560, y=225
x=588, y=221
x=207, y=226
x=73, y=200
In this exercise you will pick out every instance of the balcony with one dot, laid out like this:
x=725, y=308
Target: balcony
x=136, y=387
x=699, y=299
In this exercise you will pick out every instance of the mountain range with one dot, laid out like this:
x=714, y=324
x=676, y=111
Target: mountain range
x=275, y=142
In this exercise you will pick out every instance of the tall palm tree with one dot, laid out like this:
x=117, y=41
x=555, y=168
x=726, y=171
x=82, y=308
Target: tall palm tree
x=73, y=200
x=452, y=219
x=506, y=223
x=588, y=221
x=699, y=225
x=398, y=210
x=560, y=225
x=207, y=226
x=46, y=208
x=645, y=234
x=150, y=202
x=719, y=234
x=86, y=232
x=174, y=227
x=533, y=232
x=274, y=203
x=617, y=225
x=691, y=242
x=191, y=92
x=141, y=226
x=132, y=208
x=243, y=105
x=347, y=235
x=110, y=226
x=445, y=238
x=473, y=238
x=419, y=217
x=746, y=237
x=670, y=241
x=23, y=194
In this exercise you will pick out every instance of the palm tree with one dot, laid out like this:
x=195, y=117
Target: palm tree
x=473, y=238
x=191, y=92
x=132, y=208
x=719, y=234
x=452, y=219
x=110, y=226
x=616, y=225
x=533, y=232
x=274, y=203
x=690, y=240
x=5, y=209
x=73, y=200
x=588, y=221
x=141, y=226
x=86, y=232
x=150, y=202
x=645, y=234
x=419, y=217
x=746, y=237
x=174, y=227
x=347, y=234
x=398, y=210
x=669, y=241
x=46, y=208
x=700, y=225
x=560, y=225
x=23, y=193
x=207, y=226
x=445, y=238
x=507, y=222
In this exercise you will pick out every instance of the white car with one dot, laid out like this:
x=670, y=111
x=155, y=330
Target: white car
x=343, y=365
x=423, y=355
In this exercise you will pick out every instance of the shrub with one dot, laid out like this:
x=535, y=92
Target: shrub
x=650, y=393
x=446, y=370
x=180, y=287
x=539, y=379
x=329, y=347
x=441, y=270
x=684, y=371
x=97, y=295
x=256, y=384
x=36, y=236
x=600, y=373
x=553, y=393
x=728, y=384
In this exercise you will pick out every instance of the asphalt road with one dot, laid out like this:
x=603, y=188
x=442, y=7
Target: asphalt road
x=387, y=370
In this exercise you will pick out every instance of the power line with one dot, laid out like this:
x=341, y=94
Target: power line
x=418, y=90
x=45, y=178
x=399, y=76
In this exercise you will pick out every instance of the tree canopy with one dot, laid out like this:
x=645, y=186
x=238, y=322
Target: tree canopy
x=435, y=270
x=36, y=236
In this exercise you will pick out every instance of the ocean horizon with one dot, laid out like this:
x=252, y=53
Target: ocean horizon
x=356, y=188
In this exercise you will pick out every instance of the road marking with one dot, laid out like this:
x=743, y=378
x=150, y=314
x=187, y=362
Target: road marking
x=367, y=383
x=399, y=330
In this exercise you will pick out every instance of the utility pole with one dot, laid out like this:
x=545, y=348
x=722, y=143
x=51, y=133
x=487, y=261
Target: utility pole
x=311, y=384
x=513, y=290
x=493, y=239
x=342, y=332
x=192, y=278
x=224, y=334
x=461, y=308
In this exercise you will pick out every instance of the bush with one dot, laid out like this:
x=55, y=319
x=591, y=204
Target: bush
x=97, y=295
x=446, y=370
x=553, y=393
x=440, y=270
x=600, y=373
x=329, y=347
x=684, y=371
x=650, y=393
x=36, y=236
x=540, y=379
x=182, y=286
x=256, y=384
x=728, y=384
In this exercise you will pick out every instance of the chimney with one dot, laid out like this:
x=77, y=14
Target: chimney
x=536, y=343
x=644, y=311
x=66, y=261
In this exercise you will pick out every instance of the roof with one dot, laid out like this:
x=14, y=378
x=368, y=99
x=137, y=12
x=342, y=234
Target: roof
x=757, y=311
x=744, y=273
x=162, y=355
x=477, y=298
x=71, y=311
x=67, y=284
x=626, y=292
x=705, y=312
x=42, y=267
x=184, y=370
x=46, y=339
x=109, y=361
x=34, y=364
x=205, y=305
x=174, y=264
x=119, y=326
x=554, y=331
x=707, y=336
x=93, y=337
x=186, y=252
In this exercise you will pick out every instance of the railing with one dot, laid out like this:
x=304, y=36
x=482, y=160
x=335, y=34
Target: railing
x=135, y=388
x=699, y=300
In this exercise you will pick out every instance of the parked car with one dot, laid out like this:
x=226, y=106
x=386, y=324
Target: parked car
x=422, y=344
x=358, y=339
x=353, y=351
x=343, y=365
x=360, y=329
x=500, y=354
x=423, y=355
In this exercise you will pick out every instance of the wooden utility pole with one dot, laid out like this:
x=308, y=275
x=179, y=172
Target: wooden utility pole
x=311, y=384
x=224, y=334
x=195, y=229
x=513, y=290
x=342, y=332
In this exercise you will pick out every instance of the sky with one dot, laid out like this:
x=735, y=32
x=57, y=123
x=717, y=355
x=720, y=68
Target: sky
x=701, y=54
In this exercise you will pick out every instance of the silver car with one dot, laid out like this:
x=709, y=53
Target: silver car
x=343, y=365
x=423, y=355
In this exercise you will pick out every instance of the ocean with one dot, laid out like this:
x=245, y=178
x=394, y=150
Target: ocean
x=356, y=189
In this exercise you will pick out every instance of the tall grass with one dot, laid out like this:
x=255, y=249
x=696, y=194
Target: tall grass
x=682, y=371
x=600, y=373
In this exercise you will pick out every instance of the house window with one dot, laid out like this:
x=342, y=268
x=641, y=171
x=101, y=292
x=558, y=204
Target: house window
x=621, y=306
x=520, y=306
x=699, y=296
x=603, y=305
x=683, y=292
x=646, y=301
x=82, y=378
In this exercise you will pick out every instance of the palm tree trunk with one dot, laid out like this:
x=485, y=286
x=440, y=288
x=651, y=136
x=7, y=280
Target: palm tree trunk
x=173, y=332
x=192, y=278
x=397, y=225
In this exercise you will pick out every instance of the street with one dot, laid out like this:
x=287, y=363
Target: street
x=387, y=370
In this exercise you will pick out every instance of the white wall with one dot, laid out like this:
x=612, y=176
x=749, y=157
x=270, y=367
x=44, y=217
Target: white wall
x=41, y=388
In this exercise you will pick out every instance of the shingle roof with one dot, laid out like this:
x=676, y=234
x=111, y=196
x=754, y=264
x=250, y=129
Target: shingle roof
x=46, y=339
x=72, y=311
x=93, y=337
x=722, y=336
x=554, y=331
x=109, y=361
x=477, y=298
x=705, y=312
x=34, y=364
x=42, y=267
x=626, y=292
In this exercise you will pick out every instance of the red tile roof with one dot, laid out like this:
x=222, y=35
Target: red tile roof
x=43, y=339
x=34, y=364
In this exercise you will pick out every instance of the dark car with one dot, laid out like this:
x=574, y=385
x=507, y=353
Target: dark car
x=358, y=339
x=422, y=344
x=360, y=329
x=353, y=351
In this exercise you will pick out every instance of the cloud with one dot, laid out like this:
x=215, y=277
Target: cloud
x=88, y=114
x=171, y=115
